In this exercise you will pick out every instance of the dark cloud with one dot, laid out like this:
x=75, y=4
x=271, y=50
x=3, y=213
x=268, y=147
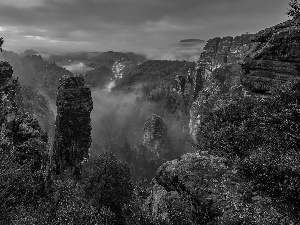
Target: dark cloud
x=132, y=25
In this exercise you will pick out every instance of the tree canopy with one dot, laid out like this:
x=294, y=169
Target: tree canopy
x=294, y=10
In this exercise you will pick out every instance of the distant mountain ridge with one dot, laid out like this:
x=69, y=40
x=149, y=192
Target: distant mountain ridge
x=193, y=40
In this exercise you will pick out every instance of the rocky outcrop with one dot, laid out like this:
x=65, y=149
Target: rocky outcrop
x=219, y=51
x=155, y=134
x=240, y=47
x=220, y=70
x=202, y=189
x=73, y=125
x=26, y=98
x=189, y=184
x=21, y=136
x=275, y=58
x=256, y=63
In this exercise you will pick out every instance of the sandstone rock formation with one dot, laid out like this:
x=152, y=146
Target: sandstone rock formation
x=275, y=58
x=219, y=51
x=21, y=134
x=189, y=184
x=220, y=70
x=155, y=134
x=73, y=125
x=190, y=84
x=203, y=189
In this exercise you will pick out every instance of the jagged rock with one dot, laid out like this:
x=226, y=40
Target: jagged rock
x=5, y=72
x=155, y=134
x=73, y=124
x=275, y=58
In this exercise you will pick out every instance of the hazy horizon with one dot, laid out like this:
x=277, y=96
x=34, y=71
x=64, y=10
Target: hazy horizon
x=153, y=28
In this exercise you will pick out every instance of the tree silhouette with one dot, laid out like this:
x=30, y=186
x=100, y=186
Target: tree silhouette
x=294, y=10
x=1, y=43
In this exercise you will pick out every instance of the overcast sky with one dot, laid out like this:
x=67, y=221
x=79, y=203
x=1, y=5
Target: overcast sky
x=149, y=26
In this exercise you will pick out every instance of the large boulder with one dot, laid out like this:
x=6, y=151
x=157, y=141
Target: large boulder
x=203, y=189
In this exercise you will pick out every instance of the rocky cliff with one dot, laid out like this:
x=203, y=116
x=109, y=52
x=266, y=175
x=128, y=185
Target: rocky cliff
x=189, y=84
x=73, y=124
x=256, y=63
x=28, y=99
x=21, y=135
x=275, y=59
x=219, y=51
x=219, y=70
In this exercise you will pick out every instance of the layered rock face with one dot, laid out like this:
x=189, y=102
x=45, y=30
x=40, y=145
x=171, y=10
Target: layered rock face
x=155, y=134
x=73, y=125
x=275, y=58
x=233, y=66
x=190, y=84
x=219, y=51
x=219, y=68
